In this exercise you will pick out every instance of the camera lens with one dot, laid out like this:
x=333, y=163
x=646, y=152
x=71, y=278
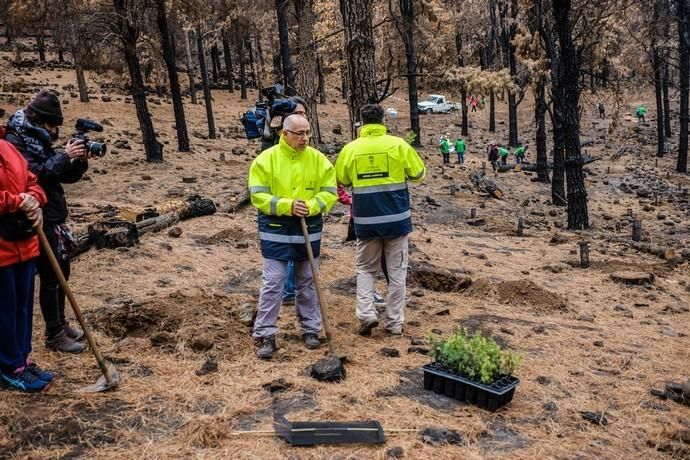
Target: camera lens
x=96, y=149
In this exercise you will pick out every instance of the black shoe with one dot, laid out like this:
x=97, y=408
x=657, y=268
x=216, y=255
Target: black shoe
x=73, y=333
x=311, y=341
x=62, y=343
x=267, y=347
x=365, y=327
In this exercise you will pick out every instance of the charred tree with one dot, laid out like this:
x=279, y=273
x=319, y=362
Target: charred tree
x=307, y=63
x=508, y=36
x=286, y=61
x=406, y=29
x=570, y=116
x=322, y=80
x=540, y=119
x=252, y=62
x=128, y=34
x=463, y=90
x=208, y=102
x=243, y=64
x=657, y=67
x=215, y=63
x=667, y=102
x=81, y=80
x=359, y=56
x=168, y=48
x=227, y=56
x=490, y=61
x=190, y=65
x=683, y=18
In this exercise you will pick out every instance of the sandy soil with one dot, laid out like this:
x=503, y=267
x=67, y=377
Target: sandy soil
x=162, y=308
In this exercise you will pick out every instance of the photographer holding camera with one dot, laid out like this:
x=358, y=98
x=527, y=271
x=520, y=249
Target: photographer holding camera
x=32, y=131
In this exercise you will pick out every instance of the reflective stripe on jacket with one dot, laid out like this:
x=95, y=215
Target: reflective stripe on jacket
x=378, y=167
x=279, y=176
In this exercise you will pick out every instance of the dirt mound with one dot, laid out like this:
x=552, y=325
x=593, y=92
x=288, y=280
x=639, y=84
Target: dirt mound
x=437, y=279
x=523, y=293
x=179, y=322
x=228, y=236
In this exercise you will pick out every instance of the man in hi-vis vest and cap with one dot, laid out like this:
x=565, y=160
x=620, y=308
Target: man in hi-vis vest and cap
x=378, y=166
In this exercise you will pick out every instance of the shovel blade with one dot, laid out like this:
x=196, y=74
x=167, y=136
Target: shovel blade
x=102, y=383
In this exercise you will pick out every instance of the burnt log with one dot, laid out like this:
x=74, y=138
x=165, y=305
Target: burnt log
x=532, y=167
x=113, y=234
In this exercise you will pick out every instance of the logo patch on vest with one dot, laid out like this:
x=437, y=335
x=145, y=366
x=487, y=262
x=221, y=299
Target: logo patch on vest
x=372, y=165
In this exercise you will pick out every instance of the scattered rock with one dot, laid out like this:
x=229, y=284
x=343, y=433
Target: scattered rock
x=445, y=312
x=243, y=244
x=276, y=386
x=558, y=239
x=544, y=380
x=420, y=350
x=175, y=232
x=598, y=418
x=211, y=365
x=338, y=129
x=106, y=98
x=189, y=179
x=202, y=342
x=598, y=343
x=550, y=406
x=438, y=436
x=390, y=352
x=418, y=292
x=577, y=371
x=246, y=314
x=539, y=329
x=395, y=453
x=146, y=177
x=556, y=267
x=328, y=370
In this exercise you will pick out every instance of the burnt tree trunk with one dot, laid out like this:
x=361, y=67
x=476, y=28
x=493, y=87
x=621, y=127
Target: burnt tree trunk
x=252, y=61
x=540, y=120
x=683, y=17
x=207, y=87
x=359, y=55
x=406, y=30
x=128, y=35
x=658, y=91
x=81, y=81
x=492, y=111
x=463, y=91
x=243, y=64
x=215, y=63
x=667, y=102
x=168, y=48
x=307, y=63
x=190, y=65
x=512, y=66
x=227, y=55
x=490, y=61
x=259, y=59
x=322, y=80
x=41, y=45
x=568, y=80
x=286, y=61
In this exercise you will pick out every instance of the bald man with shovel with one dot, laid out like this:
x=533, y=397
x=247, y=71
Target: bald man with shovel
x=289, y=181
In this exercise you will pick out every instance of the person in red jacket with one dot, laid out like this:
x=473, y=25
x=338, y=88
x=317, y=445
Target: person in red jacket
x=20, y=212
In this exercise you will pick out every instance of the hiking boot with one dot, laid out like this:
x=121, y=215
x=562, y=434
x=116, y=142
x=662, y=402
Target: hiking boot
x=394, y=330
x=23, y=380
x=40, y=374
x=73, y=333
x=311, y=341
x=365, y=327
x=267, y=347
x=64, y=344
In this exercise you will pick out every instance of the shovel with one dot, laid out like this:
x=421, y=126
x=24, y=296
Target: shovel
x=110, y=377
x=333, y=364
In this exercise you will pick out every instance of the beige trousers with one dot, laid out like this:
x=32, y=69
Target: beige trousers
x=368, y=263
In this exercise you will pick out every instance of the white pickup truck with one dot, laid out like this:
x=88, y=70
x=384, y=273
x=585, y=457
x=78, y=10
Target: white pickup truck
x=436, y=103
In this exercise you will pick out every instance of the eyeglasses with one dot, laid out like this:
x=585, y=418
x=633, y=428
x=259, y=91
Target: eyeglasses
x=299, y=133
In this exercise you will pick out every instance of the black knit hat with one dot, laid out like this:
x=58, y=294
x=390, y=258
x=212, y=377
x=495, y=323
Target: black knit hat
x=46, y=105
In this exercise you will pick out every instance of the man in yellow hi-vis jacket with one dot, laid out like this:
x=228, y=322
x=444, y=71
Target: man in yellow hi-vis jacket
x=378, y=166
x=288, y=181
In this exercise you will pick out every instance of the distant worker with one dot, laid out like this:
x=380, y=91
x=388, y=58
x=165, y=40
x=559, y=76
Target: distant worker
x=602, y=109
x=640, y=113
x=460, y=150
x=503, y=153
x=444, y=146
x=493, y=156
x=520, y=153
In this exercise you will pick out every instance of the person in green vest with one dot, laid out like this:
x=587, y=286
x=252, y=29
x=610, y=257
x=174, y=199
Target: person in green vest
x=503, y=153
x=520, y=153
x=460, y=150
x=445, y=148
x=640, y=113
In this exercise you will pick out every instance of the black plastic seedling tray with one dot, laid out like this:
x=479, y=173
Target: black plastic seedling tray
x=487, y=396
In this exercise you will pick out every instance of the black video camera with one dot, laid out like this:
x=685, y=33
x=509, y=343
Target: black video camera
x=95, y=149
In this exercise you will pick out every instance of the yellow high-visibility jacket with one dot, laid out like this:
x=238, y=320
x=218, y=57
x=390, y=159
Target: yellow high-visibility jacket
x=378, y=166
x=279, y=176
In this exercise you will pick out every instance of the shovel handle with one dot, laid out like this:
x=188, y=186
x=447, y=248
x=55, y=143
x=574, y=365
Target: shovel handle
x=73, y=302
x=319, y=294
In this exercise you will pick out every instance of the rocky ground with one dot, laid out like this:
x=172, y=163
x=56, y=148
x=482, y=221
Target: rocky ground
x=167, y=312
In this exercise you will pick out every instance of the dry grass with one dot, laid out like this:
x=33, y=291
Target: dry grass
x=185, y=294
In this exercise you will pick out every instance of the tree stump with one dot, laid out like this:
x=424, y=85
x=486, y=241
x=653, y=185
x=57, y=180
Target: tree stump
x=637, y=230
x=584, y=254
x=630, y=277
x=520, y=226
